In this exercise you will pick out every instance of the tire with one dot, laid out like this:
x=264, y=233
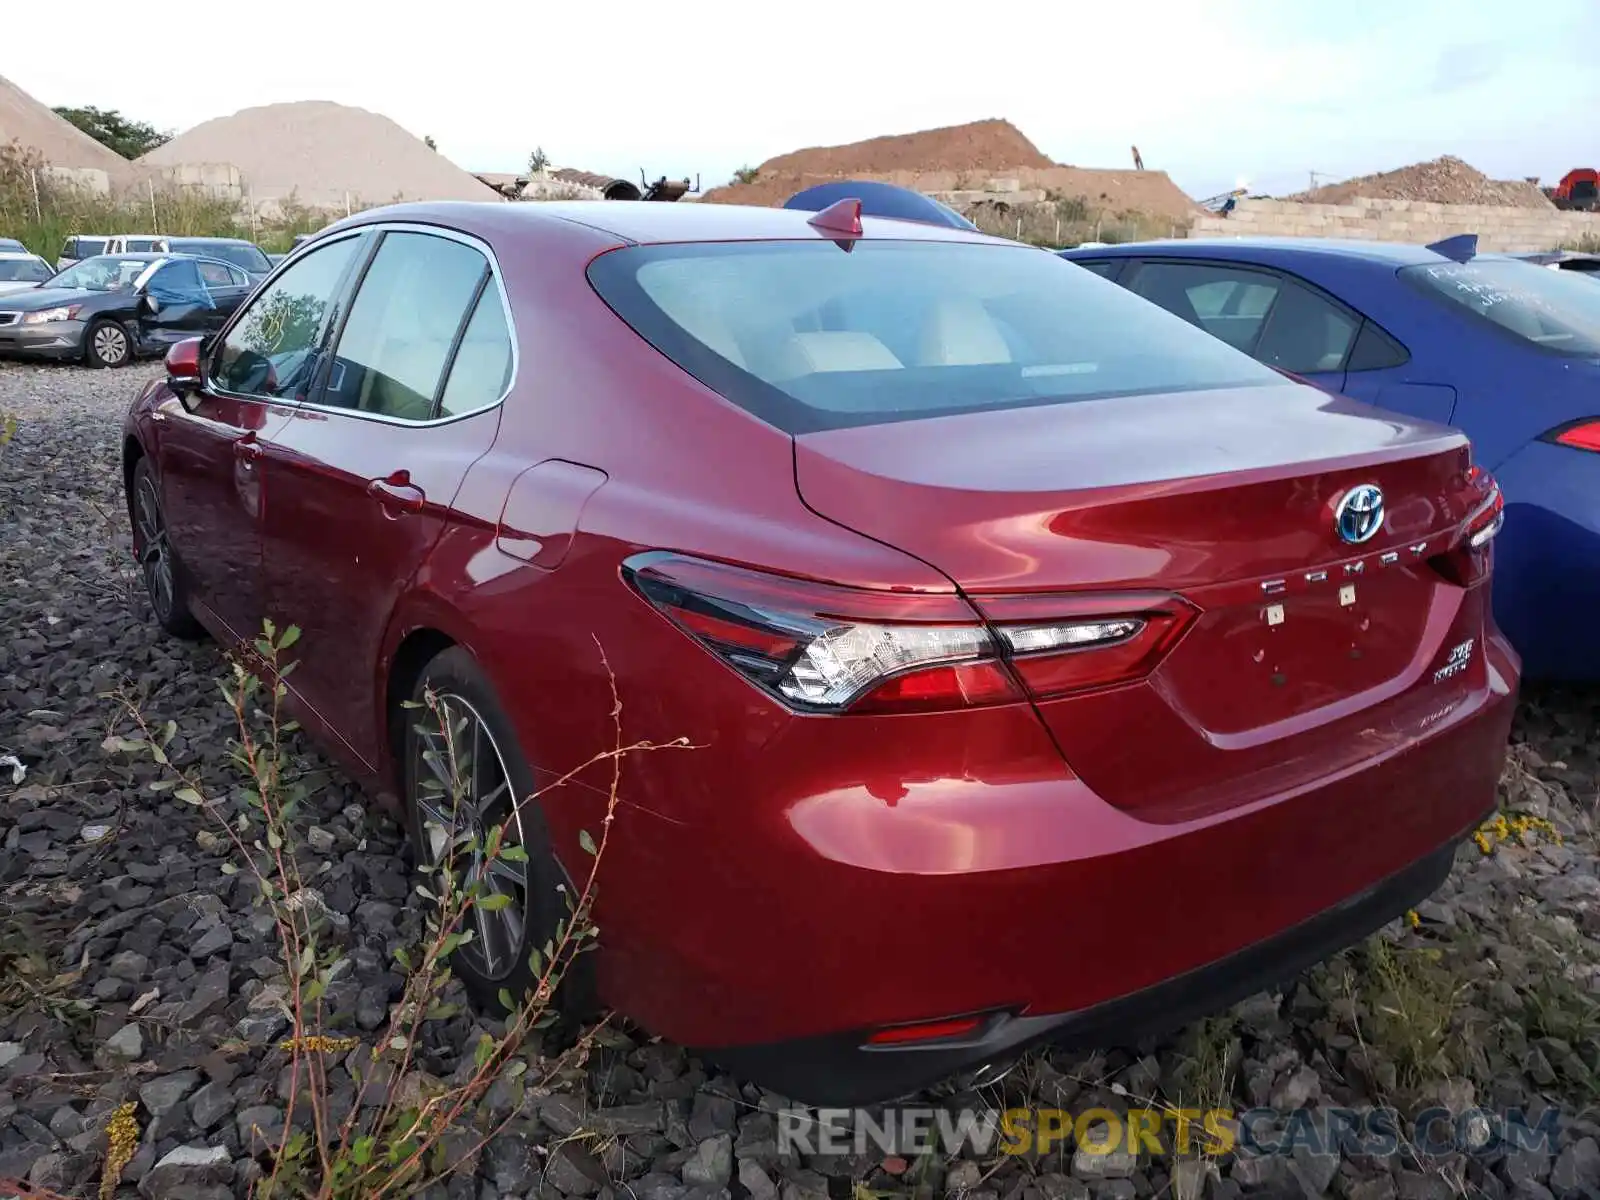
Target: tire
x=538, y=901
x=106, y=344
x=164, y=581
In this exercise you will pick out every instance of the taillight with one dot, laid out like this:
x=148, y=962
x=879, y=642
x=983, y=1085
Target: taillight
x=1580, y=435
x=1470, y=560
x=824, y=648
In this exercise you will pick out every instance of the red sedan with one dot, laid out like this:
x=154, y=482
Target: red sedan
x=1056, y=672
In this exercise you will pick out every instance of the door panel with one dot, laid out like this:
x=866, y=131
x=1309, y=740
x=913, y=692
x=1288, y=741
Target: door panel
x=362, y=503
x=212, y=497
x=367, y=475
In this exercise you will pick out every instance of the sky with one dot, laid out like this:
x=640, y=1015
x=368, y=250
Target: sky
x=1218, y=93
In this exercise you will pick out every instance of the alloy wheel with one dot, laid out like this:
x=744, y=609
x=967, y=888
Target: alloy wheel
x=461, y=790
x=155, y=555
x=110, y=344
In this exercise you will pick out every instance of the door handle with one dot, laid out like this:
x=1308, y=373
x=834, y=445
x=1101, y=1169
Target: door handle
x=247, y=449
x=397, y=494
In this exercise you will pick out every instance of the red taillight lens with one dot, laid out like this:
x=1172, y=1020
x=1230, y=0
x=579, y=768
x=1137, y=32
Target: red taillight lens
x=1585, y=435
x=1470, y=560
x=823, y=648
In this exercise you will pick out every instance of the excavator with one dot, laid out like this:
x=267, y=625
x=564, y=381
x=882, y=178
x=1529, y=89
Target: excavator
x=1578, y=190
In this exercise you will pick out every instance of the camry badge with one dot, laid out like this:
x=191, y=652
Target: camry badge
x=1359, y=514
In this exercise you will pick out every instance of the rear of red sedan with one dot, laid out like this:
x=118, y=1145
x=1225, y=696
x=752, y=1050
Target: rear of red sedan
x=1202, y=685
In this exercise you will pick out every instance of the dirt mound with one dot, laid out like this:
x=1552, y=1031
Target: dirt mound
x=1444, y=180
x=979, y=146
x=960, y=158
x=325, y=154
x=59, y=142
x=1112, y=191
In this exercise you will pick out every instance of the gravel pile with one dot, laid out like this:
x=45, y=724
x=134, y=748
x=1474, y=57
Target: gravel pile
x=134, y=969
x=1446, y=180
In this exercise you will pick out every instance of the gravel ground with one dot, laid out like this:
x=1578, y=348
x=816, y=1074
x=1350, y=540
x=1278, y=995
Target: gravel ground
x=133, y=968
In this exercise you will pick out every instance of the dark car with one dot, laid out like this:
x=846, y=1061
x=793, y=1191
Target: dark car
x=1566, y=260
x=1049, y=669
x=241, y=253
x=110, y=309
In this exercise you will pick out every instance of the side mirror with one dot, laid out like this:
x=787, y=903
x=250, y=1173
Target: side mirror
x=183, y=369
x=152, y=306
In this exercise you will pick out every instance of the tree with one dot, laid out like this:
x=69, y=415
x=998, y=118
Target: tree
x=430, y=143
x=116, y=132
x=745, y=175
x=538, y=160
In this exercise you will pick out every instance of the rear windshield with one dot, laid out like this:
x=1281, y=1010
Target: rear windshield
x=807, y=336
x=243, y=255
x=1553, y=310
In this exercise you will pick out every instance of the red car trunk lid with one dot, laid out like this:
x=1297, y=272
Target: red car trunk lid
x=1306, y=652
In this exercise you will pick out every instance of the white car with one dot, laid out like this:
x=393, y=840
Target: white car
x=18, y=272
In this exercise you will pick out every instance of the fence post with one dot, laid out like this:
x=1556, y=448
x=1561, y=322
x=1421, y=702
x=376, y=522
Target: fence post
x=347, y=204
x=1058, y=231
x=38, y=213
x=154, y=226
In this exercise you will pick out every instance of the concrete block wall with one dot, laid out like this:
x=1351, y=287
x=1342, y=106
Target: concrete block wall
x=1511, y=230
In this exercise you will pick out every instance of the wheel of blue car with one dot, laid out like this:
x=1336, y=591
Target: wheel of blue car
x=464, y=776
x=106, y=344
x=163, y=578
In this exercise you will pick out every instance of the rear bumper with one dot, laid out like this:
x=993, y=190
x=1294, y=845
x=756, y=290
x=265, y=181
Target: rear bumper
x=1547, y=560
x=881, y=872
x=835, y=1070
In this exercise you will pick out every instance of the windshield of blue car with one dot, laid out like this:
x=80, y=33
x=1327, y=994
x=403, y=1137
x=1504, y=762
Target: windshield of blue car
x=23, y=270
x=1556, y=311
x=807, y=336
x=243, y=255
x=104, y=273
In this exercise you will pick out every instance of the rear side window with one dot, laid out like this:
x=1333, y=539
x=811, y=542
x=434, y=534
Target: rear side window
x=216, y=275
x=271, y=351
x=1279, y=321
x=1551, y=310
x=1375, y=350
x=404, y=325
x=482, y=367
x=1103, y=267
x=808, y=337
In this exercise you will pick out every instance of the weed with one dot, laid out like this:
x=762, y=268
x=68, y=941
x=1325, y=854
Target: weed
x=396, y=1145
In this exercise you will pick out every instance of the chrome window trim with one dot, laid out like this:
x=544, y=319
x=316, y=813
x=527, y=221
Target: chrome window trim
x=380, y=227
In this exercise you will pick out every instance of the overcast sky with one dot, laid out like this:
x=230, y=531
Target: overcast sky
x=1216, y=93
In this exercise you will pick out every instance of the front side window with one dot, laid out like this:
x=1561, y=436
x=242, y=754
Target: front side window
x=271, y=351
x=807, y=336
x=1551, y=310
x=403, y=325
x=87, y=247
x=178, y=283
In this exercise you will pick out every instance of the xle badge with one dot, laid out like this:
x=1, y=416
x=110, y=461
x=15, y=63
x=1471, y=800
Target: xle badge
x=1460, y=656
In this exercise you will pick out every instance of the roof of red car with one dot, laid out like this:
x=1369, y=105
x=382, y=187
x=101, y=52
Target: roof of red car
x=652, y=221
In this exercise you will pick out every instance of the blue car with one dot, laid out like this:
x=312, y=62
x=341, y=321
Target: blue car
x=1506, y=350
